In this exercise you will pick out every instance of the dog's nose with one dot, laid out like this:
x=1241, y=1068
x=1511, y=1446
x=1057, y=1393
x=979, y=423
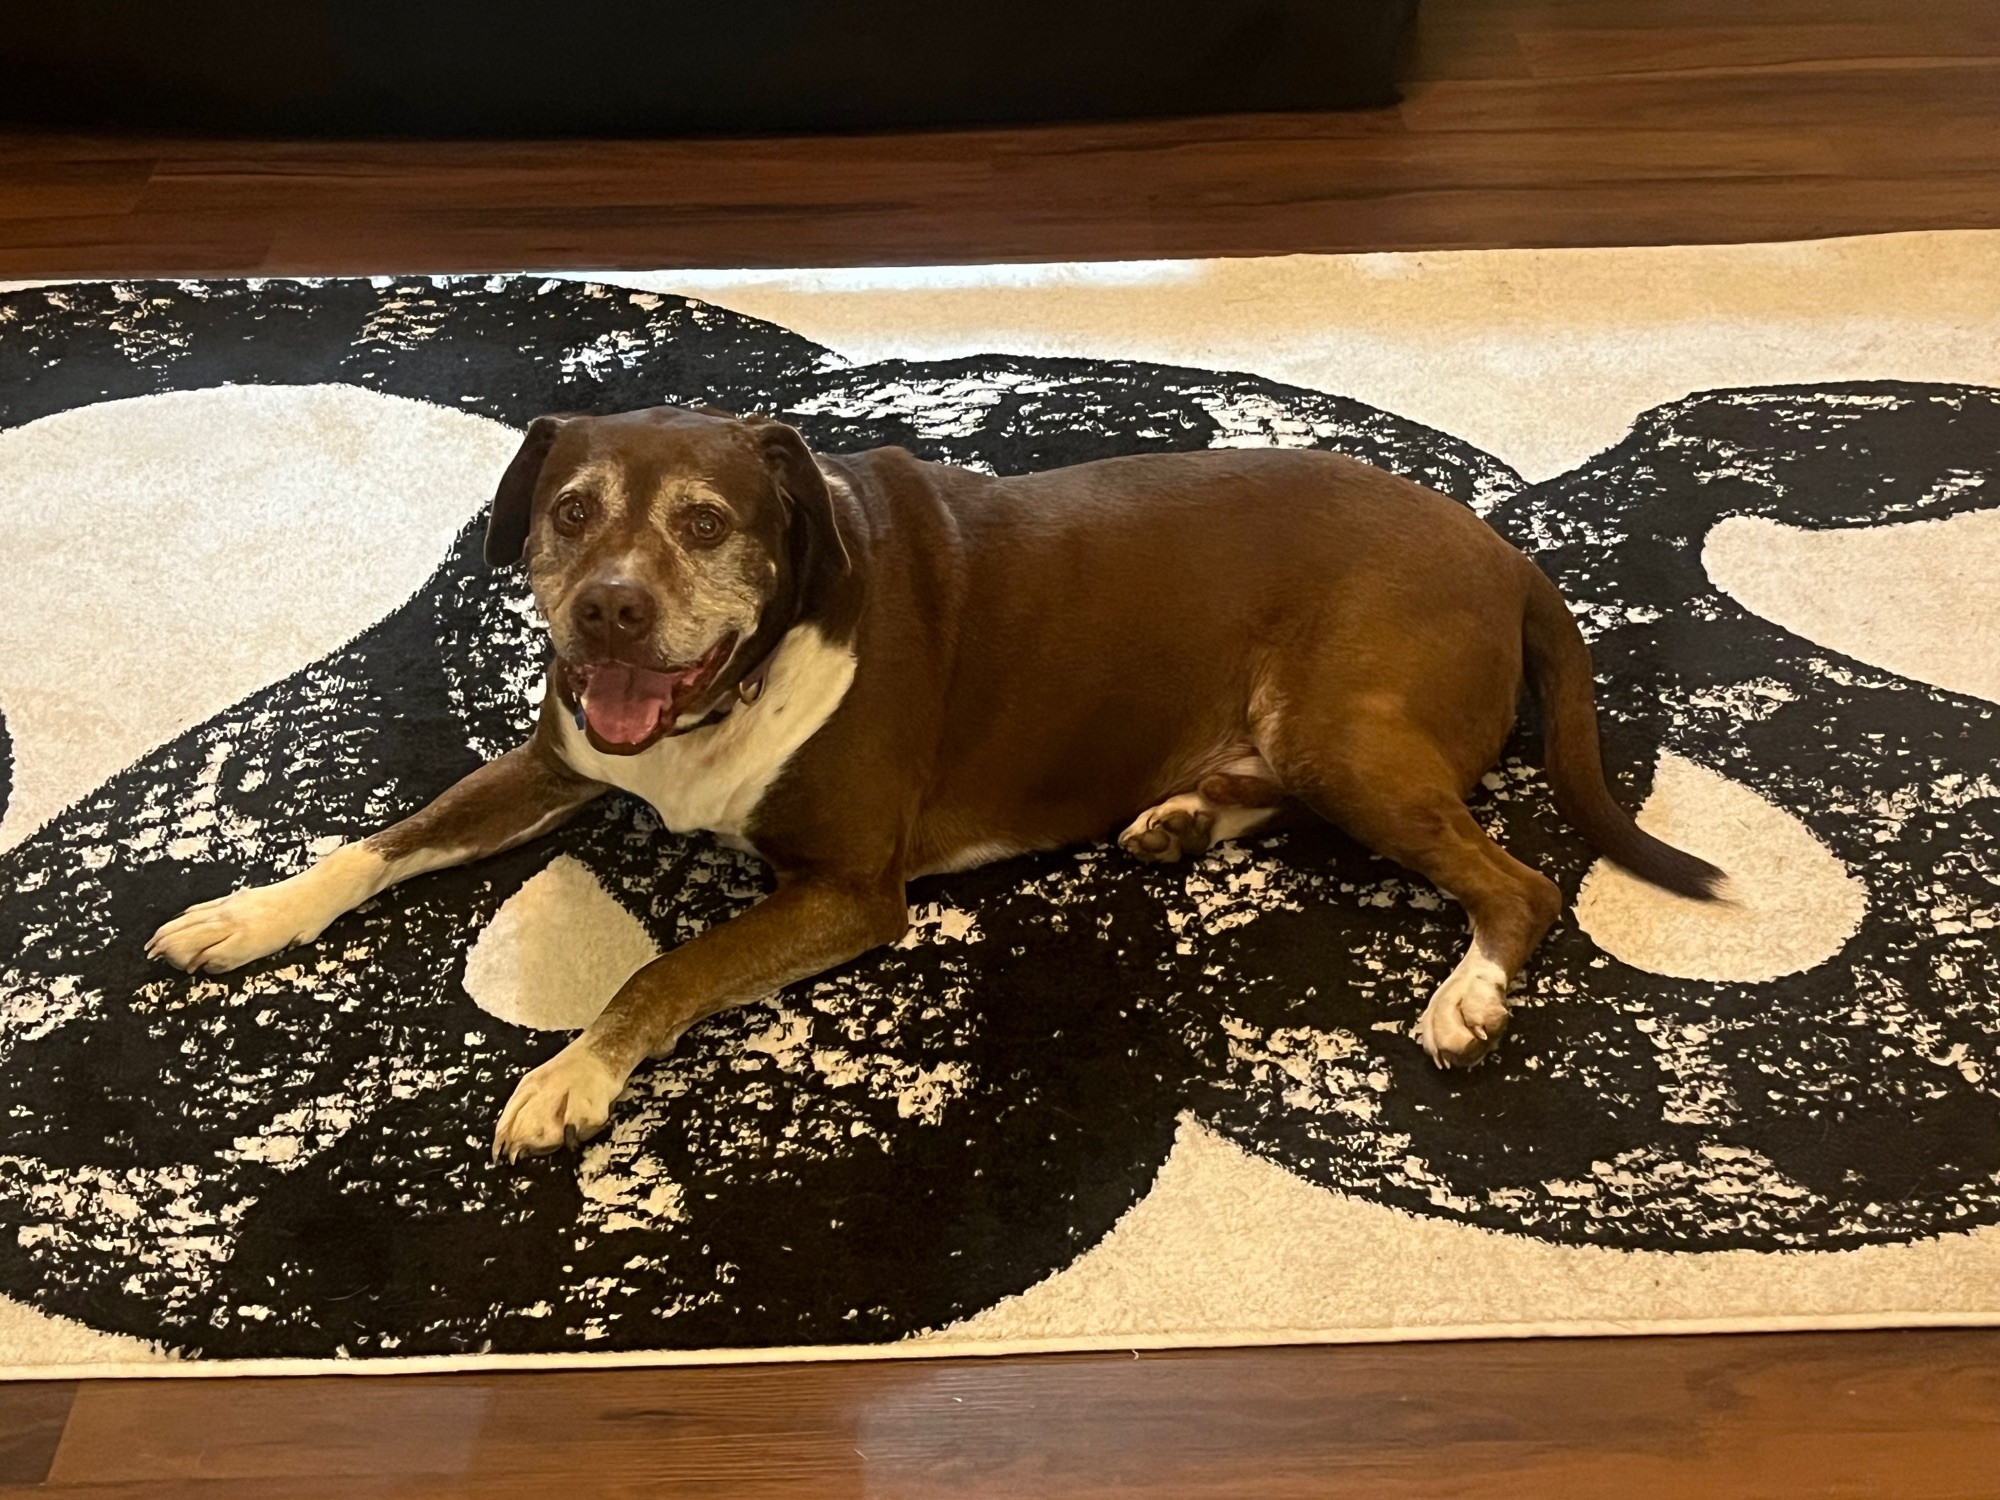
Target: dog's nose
x=611, y=613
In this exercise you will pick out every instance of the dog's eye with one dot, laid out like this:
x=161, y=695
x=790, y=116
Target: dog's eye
x=571, y=513
x=705, y=524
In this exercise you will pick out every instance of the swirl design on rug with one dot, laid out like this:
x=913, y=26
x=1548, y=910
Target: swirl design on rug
x=292, y=1159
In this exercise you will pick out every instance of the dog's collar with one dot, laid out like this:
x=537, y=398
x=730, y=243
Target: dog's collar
x=749, y=688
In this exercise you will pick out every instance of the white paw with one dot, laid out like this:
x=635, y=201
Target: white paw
x=564, y=1102
x=220, y=935
x=1180, y=825
x=1466, y=1016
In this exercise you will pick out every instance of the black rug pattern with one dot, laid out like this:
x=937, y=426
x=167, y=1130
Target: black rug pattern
x=292, y=1160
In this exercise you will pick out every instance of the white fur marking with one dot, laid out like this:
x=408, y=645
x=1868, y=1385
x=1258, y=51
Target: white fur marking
x=712, y=779
x=1468, y=1012
x=569, y=1096
x=1226, y=821
x=1234, y=822
x=971, y=856
x=224, y=934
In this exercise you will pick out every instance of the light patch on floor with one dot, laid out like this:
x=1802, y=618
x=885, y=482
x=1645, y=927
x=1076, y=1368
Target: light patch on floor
x=556, y=951
x=168, y=554
x=1789, y=903
x=1542, y=357
x=1228, y=1243
x=1921, y=599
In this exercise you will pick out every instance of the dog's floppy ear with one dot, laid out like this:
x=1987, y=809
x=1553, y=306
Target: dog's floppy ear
x=507, y=526
x=819, y=550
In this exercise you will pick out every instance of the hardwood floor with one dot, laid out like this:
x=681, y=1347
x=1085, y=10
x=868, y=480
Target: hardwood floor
x=1906, y=1414
x=1527, y=122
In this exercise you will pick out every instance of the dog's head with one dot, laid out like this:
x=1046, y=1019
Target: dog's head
x=669, y=549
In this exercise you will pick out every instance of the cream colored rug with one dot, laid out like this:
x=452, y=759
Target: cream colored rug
x=1088, y=1103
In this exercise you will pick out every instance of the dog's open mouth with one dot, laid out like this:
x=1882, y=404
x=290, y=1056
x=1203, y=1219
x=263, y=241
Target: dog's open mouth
x=627, y=705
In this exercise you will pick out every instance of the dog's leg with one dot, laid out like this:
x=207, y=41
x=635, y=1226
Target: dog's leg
x=808, y=925
x=1395, y=791
x=1238, y=799
x=506, y=802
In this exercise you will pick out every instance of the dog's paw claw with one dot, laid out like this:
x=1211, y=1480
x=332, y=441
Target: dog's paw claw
x=1466, y=1017
x=217, y=936
x=557, y=1106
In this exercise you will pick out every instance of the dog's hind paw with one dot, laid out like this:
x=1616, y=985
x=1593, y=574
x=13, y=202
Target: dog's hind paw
x=564, y=1102
x=1467, y=1015
x=1180, y=825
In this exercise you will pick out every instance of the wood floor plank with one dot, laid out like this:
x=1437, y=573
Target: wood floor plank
x=79, y=188
x=1793, y=102
x=1910, y=1414
x=1917, y=36
x=1447, y=185
x=1526, y=122
x=32, y=1418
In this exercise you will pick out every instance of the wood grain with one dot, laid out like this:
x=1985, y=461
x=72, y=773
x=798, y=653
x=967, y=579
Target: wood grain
x=1527, y=122
x=1911, y=1415
x=32, y=1417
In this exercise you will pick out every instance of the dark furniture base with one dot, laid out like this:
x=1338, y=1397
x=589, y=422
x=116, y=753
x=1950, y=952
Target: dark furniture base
x=654, y=67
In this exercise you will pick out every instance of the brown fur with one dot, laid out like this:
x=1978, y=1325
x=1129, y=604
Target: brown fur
x=1039, y=659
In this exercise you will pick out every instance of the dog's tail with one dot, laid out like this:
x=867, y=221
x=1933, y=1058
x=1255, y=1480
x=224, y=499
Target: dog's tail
x=1558, y=665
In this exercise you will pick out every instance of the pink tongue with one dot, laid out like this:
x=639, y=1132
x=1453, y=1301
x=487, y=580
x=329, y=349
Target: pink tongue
x=624, y=703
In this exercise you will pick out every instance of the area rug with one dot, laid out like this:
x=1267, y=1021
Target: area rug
x=1086, y=1103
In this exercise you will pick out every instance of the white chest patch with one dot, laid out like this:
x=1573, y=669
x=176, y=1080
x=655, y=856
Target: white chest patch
x=712, y=779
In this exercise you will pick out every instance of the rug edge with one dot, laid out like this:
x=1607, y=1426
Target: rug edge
x=922, y=1348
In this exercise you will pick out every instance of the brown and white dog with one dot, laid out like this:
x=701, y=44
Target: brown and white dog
x=868, y=668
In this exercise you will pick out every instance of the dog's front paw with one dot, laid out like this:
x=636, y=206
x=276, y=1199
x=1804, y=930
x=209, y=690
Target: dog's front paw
x=564, y=1102
x=1180, y=825
x=1466, y=1016
x=223, y=934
